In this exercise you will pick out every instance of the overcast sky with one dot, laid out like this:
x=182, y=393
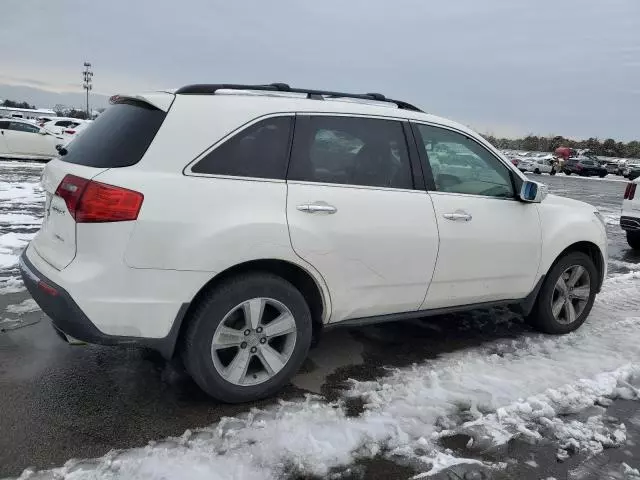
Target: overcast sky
x=507, y=67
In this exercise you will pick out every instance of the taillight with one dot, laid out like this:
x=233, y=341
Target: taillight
x=95, y=202
x=70, y=132
x=70, y=190
x=630, y=191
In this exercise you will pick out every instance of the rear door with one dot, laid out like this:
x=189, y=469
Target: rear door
x=354, y=214
x=118, y=138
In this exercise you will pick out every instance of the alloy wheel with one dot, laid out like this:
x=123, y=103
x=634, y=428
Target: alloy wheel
x=254, y=341
x=571, y=294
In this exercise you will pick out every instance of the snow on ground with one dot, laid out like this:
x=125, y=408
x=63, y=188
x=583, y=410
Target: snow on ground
x=524, y=386
x=21, y=200
x=27, y=306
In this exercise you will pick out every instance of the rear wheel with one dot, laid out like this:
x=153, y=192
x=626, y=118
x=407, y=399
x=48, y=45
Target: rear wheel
x=567, y=172
x=552, y=172
x=633, y=239
x=603, y=175
x=248, y=338
x=567, y=295
x=537, y=171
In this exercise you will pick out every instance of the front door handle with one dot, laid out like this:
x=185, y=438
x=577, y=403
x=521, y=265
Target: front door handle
x=458, y=216
x=317, y=207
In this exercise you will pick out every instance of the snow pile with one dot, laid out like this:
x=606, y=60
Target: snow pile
x=28, y=305
x=506, y=388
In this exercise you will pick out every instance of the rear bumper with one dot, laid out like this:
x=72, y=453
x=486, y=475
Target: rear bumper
x=68, y=318
x=630, y=224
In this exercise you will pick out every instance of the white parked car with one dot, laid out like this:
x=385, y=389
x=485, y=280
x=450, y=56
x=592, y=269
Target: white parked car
x=537, y=165
x=25, y=140
x=70, y=134
x=60, y=125
x=630, y=216
x=229, y=226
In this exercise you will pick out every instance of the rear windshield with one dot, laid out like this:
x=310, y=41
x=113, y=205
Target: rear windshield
x=118, y=138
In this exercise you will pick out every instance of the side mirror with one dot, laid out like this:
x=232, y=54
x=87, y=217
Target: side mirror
x=43, y=132
x=533, y=192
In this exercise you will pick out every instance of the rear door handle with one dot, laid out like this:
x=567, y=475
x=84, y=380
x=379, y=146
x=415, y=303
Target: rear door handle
x=317, y=207
x=458, y=216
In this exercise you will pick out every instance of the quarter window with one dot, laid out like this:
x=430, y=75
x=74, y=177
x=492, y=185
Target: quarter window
x=350, y=151
x=259, y=151
x=461, y=165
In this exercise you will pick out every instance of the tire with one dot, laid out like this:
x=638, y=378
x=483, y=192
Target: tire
x=552, y=172
x=602, y=176
x=537, y=171
x=567, y=172
x=542, y=317
x=633, y=239
x=225, y=304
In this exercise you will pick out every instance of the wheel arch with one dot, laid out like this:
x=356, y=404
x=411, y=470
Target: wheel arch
x=591, y=250
x=298, y=276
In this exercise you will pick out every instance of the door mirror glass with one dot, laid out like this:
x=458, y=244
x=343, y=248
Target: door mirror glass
x=533, y=192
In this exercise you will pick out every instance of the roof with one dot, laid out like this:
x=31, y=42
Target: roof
x=46, y=111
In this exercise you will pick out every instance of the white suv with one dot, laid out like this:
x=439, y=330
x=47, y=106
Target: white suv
x=230, y=224
x=630, y=217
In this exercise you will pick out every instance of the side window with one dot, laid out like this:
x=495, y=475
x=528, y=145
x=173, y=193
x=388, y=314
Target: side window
x=4, y=125
x=259, y=151
x=461, y=165
x=23, y=127
x=350, y=151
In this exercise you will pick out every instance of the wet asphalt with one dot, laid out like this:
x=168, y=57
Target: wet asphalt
x=59, y=402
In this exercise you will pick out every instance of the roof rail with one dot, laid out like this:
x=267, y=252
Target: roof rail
x=212, y=88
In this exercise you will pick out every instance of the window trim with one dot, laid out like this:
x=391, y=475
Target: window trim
x=418, y=186
x=188, y=172
x=424, y=160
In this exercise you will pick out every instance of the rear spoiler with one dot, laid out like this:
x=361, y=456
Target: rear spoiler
x=160, y=100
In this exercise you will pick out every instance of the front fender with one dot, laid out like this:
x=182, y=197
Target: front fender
x=568, y=223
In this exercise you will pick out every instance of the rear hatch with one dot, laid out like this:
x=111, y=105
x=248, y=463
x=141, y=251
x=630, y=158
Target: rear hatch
x=119, y=138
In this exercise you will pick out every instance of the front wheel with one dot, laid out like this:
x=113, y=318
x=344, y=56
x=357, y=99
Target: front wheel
x=633, y=239
x=537, y=171
x=567, y=295
x=248, y=338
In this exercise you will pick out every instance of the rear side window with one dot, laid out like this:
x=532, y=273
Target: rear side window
x=4, y=125
x=351, y=151
x=258, y=151
x=118, y=138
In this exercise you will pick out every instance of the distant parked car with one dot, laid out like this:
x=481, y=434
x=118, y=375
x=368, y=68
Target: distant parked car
x=585, y=167
x=612, y=167
x=631, y=171
x=58, y=125
x=537, y=165
x=24, y=139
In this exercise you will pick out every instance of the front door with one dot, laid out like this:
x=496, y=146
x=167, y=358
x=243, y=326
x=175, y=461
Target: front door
x=490, y=242
x=353, y=214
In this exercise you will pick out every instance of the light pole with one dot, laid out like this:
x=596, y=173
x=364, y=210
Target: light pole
x=88, y=76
